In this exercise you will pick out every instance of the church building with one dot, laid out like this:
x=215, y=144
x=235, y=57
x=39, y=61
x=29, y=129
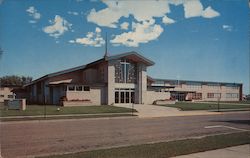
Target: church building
x=122, y=79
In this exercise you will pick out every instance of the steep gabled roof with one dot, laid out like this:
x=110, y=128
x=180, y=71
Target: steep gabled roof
x=134, y=55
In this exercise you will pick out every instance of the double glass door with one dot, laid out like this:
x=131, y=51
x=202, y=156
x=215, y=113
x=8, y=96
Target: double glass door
x=124, y=96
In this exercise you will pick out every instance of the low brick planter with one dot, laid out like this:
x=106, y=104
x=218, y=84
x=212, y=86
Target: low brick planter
x=77, y=103
x=164, y=102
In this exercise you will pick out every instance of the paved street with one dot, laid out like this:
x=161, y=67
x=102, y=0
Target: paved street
x=30, y=138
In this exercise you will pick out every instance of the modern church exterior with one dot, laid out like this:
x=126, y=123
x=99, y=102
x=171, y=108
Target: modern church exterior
x=122, y=79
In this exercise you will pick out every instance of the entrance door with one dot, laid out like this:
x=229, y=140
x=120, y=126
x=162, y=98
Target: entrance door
x=124, y=96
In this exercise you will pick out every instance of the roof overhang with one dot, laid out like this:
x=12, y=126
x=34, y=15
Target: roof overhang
x=162, y=86
x=133, y=56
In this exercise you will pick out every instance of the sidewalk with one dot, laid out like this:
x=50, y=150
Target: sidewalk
x=242, y=151
x=151, y=111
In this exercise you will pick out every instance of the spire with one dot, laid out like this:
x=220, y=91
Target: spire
x=106, y=46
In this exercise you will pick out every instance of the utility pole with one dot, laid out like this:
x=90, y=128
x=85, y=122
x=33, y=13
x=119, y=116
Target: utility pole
x=1, y=54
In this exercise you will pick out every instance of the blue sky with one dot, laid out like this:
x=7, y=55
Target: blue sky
x=194, y=40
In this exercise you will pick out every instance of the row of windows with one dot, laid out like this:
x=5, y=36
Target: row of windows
x=194, y=86
x=213, y=95
x=9, y=96
x=213, y=86
x=78, y=88
x=232, y=95
x=196, y=95
x=218, y=95
x=232, y=87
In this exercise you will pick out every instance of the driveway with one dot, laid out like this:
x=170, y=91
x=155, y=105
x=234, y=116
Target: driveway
x=149, y=111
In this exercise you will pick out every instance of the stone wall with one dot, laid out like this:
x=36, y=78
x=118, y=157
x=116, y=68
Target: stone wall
x=153, y=96
x=94, y=95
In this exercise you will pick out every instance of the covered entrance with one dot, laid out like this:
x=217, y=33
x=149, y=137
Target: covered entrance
x=124, y=95
x=180, y=96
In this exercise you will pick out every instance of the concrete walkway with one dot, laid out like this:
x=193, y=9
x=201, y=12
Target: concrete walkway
x=149, y=111
x=242, y=151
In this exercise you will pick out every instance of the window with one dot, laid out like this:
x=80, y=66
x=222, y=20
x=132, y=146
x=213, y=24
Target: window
x=213, y=95
x=116, y=97
x=132, y=97
x=232, y=95
x=127, y=97
x=122, y=97
x=232, y=86
x=213, y=86
x=194, y=85
x=158, y=83
x=10, y=96
x=86, y=88
x=78, y=88
x=1, y=96
x=125, y=72
x=197, y=96
x=71, y=88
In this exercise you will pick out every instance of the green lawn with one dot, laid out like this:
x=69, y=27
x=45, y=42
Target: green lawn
x=206, y=106
x=237, y=102
x=166, y=149
x=52, y=110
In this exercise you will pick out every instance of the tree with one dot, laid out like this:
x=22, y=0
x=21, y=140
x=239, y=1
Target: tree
x=15, y=80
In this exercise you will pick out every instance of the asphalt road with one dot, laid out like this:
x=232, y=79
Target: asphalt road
x=32, y=138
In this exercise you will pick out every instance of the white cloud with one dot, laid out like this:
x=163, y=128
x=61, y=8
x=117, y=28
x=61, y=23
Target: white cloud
x=92, y=39
x=32, y=21
x=194, y=8
x=124, y=25
x=141, y=11
x=141, y=33
x=210, y=13
x=34, y=14
x=58, y=27
x=98, y=30
x=72, y=13
x=167, y=20
x=71, y=41
x=145, y=10
x=227, y=27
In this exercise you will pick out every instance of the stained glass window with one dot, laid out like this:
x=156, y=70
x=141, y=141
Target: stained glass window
x=125, y=71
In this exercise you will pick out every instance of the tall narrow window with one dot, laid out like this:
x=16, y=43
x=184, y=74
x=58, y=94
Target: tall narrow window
x=122, y=97
x=132, y=97
x=125, y=71
x=116, y=97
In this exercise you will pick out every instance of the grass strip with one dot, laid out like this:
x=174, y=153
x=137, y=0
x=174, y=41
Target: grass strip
x=34, y=110
x=63, y=117
x=166, y=149
x=206, y=106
